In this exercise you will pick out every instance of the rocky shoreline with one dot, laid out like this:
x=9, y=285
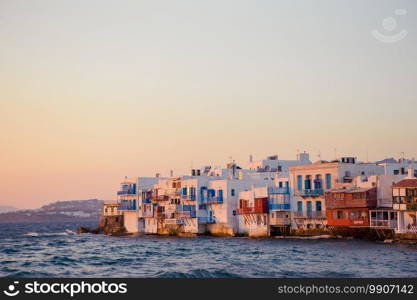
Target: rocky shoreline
x=113, y=225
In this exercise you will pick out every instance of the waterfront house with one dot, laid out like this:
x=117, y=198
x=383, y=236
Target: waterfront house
x=349, y=207
x=309, y=183
x=253, y=212
x=405, y=203
x=111, y=208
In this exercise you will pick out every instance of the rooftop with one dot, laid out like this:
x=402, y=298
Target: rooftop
x=351, y=190
x=406, y=183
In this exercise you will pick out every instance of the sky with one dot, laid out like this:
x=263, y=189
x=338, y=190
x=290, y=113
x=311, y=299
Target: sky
x=92, y=91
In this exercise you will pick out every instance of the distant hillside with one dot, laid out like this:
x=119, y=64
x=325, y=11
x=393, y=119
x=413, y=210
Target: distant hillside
x=61, y=211
x=4, y=209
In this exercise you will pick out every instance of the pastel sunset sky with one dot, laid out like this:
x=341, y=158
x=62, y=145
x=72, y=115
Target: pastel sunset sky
x=92, y=91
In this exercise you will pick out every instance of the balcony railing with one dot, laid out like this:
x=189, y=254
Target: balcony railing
x=160, y=197
x=278, y=190
x=188, y=197
x=186, y=214
x=279, y=206
x=173, y=221
x=147, y=214
x=309, y=193
x=146, y=201
x=206, y=220
x=160, y=215
x=310, y=214
x=126, y=192
x=214, y=200
x=126, y=207
x=251, y=210
x=280, y=221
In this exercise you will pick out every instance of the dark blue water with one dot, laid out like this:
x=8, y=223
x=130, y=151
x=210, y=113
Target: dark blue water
x=39, y=250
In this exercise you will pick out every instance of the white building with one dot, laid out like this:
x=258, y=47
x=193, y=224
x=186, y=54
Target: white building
x=308, y=183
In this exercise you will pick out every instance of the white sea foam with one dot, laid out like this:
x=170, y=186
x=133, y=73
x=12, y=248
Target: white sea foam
x=31, y=234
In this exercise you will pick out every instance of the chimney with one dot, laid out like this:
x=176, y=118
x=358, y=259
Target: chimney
x=250, y=158
x=157, y=175
x=171, y=173
x=410, y=174
x=193, y=172
x=198, y=172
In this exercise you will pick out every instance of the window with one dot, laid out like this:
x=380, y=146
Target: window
x=184, y=191
x=279, y=168
x=232, y=192
x=318, y=182
x=309, y=206
x=318, y=205
x=307, y=183
x=340, y=214
x=396, y=172
x=299, y=182
x=234, y=213
x=328, y=181
x=300, y=206
x=280, y=184
x=220, y=193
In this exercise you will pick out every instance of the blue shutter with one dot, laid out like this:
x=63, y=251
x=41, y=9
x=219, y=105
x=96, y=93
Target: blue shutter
x=318, y=206
x=299, y=182
x=328, y=181
x=300, y=206
x=309, y=206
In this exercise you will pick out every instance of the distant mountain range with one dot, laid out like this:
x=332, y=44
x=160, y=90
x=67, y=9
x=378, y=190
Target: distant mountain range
x=61, y=211
x=4, y=209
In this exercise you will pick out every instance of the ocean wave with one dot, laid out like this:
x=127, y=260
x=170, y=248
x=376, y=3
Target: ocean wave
x=31, y=234
x=196, y=273
x=37, y=234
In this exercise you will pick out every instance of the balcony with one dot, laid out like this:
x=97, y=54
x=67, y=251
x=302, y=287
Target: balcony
x=252, y=210
x=173, y=222
x=279, y=206
x=188, y=197
x=147, y=214
x=146, y=201
x=126, y=207
x=278, y=190
x=281, y=221
x=310, y=193
x=412, y=206
x=310, y=215
x=160, y=215
x=206, y=220
x=159, y=197
x=126, y=192
x=186, y=214
x=214, y=200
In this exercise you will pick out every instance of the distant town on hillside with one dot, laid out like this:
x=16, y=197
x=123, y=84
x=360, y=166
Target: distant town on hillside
x=60, y=211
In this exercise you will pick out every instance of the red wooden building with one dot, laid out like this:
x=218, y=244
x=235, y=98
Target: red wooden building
x=350, y=207
x=258, y=206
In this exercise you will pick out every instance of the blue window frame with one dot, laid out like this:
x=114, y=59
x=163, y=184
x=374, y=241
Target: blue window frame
x=309, y=206
x=318, y=205
x=299, y=205
x=328, y=181
x=220, y=193
x=307, y=184
x=299, y=182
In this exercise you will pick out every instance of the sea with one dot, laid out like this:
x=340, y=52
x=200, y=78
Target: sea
x=55, y=250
